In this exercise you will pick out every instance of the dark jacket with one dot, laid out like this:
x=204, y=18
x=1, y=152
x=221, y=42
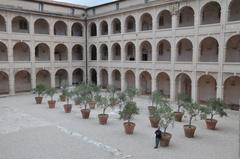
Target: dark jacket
x=158, y=134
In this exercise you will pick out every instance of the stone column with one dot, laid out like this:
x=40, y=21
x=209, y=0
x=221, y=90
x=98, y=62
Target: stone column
x=110, y=82
x=52, y=74
x=11, y=81
x=31, y=26
x=98, y=76
x=122, y=52
x=33, y=77
x=194, y=86
x=123, y=87
x=154, y=82
x=70, y=76
x=109, y=51
x=172, y=87
x=137, y=80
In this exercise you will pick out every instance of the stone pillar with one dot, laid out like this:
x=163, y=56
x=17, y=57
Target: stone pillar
x=9, y=23
x=137, y=80
x=32, y=52
x=10, y=51
x=51, y=48
x=11, y=82
x=98, y=77
x=69, y=52
x=33, y=77
x=122, y=52
x=219, y=86
x=123, y=87
x=69, y=29
x=138, y=56
x=172, y=87
x=109, y=51
x=31, y=25
x=98, y=53
x=154, y=51
x=110, y=82
x=51, y=27
x=194, y=86
x=70, y=76
x=52, y=74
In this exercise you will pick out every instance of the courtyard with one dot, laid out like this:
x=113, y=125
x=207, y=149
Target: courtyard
x=34, y=131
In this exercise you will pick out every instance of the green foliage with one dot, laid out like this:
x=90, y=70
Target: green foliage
x=51, y=92
x=94, y=90
x=68, y=94
x=129, y=110
x=122, y=98
x=83, y=93
x=131, y=93
x=156, y=97
x=40, y=89
x=192, y=109
x=103, y=102
x=214, y=106
x=182, y=98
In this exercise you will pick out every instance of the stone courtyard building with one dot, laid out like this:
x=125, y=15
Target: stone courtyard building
x=190, y=46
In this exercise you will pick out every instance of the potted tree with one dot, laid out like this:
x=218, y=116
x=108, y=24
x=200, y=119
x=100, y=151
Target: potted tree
x=193, y=110
x=181, y=99
x=167, y=117
x=214, y=107
x=63, y=88
x=68, y=94
x=112, y=92
x=77, y=95
x=94, y=91
x=85, y=98
x=122, y=97
x=104, y=103
x=131, y=93
x=40, y=90
x=50, y=92
x=154, y=99
x=127, y=113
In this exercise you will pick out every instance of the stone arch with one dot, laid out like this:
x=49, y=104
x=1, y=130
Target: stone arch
x=22, y=82
x=43, y=77
x=77, y=52
x=231, y=91
x=20, y=25
x=77, y=76
x=116, y=26
x=93, y=76
x=61, y=53
x=104, y=52
x=207, y=88
x=77, y=29
x=164, y=19
x=3, y=52
x=183, y=84
x=42, y=52
x=93, y=52
x=163, y=84
x=146, y=22
x=130, y=24
x=61, y=78
x=130, y=79
x=4, y=83
x=104, y=78
x=211, y=13
x=164, y=50
x=60, y=28
x=93, y=29
x=2, y=24
x=116, y=51
x=130, y=51
x=209, y=50
x=185, y=50
x=145, y=83
x=233, y=10
x=21, y=52
x=41, y=26
x=233, y=49
x=146, y=51
x=186, y=17
x=116, y=79
x=104, y=28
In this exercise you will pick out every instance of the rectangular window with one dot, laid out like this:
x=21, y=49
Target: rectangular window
x=40, y=7
x=72, y=11
x=23, y=25
x=117, y=6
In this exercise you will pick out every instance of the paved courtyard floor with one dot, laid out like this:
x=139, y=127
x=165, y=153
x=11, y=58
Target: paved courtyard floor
x=30, y=131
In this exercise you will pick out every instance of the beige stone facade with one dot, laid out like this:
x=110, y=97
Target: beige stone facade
x=190, y=46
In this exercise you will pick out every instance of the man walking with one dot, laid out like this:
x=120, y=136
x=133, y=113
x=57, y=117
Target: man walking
x=158, y=134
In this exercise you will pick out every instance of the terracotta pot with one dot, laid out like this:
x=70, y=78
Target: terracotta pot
x=151, y=110
x=178, y=116
x=38, y=100
x=129, y=127
x=51, y=104
x=102, y=118
x=67, y=108
x=211, y=124
x=154, y=122
x=62, y=98
x=165, y=139
x=189, y=131
x=92, y=104
x=85, y=113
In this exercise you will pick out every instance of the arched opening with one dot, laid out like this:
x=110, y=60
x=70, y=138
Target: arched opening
x=116, y=79
x=22, y=82
x=2, y=24
x=77, y=29
x=61, y=53
x=77, y=52
x=234, y=10
x=41, y=26
x=163, y=84
x=104, y=28
x=130, y=79
x=233, y=49
x=231, y=91
x=116, y=26
x=61, y=78
x=42, y=52
x=60, y=28
x=146, y=22
x=77, y=76
x=93, y=76
x=104, y=52
x=211, y=13
x=3, y=52
x=93, y=52
x=116, y=52
x=130, y=51
x=164, y=20
x=104, y=78
x=183, y=85
x=43, y=77
x=207, y=87
x=164, y=51
x=93, y=29
x=20, y=25
x=209, y=50
x=4, y=83
x=130, y=24
x=21, y=52
x=145, y=83
x=146, y=51
x=185, y=50
x=186, y=17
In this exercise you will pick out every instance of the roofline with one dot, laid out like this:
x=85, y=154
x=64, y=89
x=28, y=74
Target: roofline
x=104, y=4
